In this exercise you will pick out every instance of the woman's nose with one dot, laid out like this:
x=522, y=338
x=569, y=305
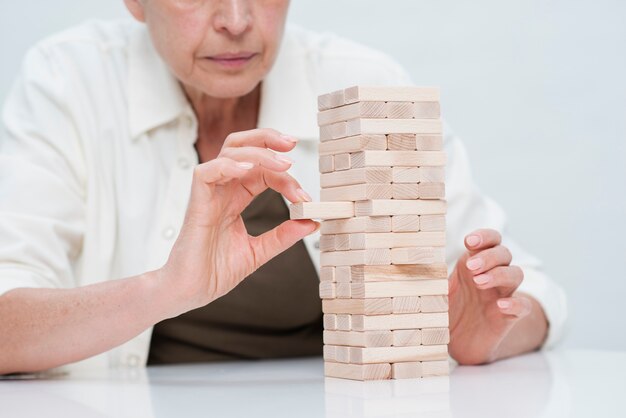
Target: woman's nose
x=233, y=16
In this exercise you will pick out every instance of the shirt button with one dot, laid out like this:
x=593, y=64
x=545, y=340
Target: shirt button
x=169, y=232
x=317, y=245
x=184, y=163
x=132, y=360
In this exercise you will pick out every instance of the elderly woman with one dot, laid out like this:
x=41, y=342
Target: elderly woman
x=142, y=175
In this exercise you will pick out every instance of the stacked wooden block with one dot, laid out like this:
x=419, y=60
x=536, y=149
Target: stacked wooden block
x=383, y=273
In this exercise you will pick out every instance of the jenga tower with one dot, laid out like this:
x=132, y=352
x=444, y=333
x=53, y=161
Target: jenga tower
x=383, y=273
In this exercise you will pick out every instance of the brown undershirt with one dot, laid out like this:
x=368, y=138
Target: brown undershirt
x=275, y=312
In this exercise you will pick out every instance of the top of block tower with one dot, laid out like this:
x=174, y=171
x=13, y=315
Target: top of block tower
x=377, y=94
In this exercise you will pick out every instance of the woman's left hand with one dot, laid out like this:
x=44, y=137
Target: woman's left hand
x=483, y=304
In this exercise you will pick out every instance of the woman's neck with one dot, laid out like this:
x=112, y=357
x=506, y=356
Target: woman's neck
x=217, y=118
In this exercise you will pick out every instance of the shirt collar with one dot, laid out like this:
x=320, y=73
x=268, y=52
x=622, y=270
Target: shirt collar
x=288, y=100
x=154, y=95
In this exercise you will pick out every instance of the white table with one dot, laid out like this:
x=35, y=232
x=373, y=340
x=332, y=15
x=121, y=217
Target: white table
x=551, y=384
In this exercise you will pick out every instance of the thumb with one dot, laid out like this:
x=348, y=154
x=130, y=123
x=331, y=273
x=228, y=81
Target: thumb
x=279, y=239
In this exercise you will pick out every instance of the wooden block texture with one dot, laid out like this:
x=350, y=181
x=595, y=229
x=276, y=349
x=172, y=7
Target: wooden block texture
x=358, y=371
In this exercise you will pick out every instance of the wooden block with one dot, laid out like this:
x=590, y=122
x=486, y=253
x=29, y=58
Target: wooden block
x=343, y=290
x=327, y=274
x=352, y=111
x=429, y=142
x=329, y=352
x=360, y=241
x=321, y=210
x=380, y=306
x=353, y=144
x=399, y=288
x=356, y=192
x=324, y=101
x=357, y=224
x=405, y=191
x=400, y=110
x=405, y=174
x=415, y=142
x=337, y=353
x=356, y=176
x=435, y=336
x=342, y=161
x=406, y=304
x=429, y=190
x=343, y=322
x=397, y=159
x=429, y=223
x=390, y=94
x=327, y=290
x=327, y=243
x=359, y=339
x=342, y=354
x=382, y=126
x=369, y=355
x=426, y=110
x=432, y=174
x=402, y=142
x=399, y=321
x=407, y=337
x=357, y=371
x=342, y=242
x=398, y=272
x=374, y=256
x=405, y=223
x=435, y=368
x=334, y=131
x=399, y=207
x=330, y=322
x=326, y=164
x=331, y=100
x=343, y=274
x=406, y=370
x=418, y=255
x=434, y=303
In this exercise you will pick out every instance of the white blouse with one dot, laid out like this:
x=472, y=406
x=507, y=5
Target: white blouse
x=97, y=156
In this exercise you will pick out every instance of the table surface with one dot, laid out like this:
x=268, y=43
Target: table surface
x=562, y=383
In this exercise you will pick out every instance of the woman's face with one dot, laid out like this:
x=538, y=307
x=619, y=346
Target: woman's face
x=222, y=48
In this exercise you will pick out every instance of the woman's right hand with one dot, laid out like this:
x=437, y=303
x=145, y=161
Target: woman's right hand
x=213, y=252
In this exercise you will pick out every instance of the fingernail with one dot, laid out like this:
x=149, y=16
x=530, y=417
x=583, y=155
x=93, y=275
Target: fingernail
x=482, y=279
x=304, y=195
x=472, y=240
x=284, y=159
x=245, y=165
x=289, y=138
x=474, y=263
x=504, y=304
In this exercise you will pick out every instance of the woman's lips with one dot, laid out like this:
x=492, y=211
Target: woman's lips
x=232, y=60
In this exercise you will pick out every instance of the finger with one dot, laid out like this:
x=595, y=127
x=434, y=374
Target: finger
x=261, y=138
x=488, y=259
x=516, y=306
x=221, y=170
x=506, y=278
x=260, y=156
x=268, y=245
x=482, y=239
x=283, y=183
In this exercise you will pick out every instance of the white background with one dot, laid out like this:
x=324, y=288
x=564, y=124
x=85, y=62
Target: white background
x=536, y=88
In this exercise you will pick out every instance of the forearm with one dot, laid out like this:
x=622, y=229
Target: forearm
x=528, y=333
x=45, y=328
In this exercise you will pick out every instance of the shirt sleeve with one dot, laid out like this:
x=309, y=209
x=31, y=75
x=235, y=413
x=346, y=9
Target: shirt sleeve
x=41, y=190
x=470, y=209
